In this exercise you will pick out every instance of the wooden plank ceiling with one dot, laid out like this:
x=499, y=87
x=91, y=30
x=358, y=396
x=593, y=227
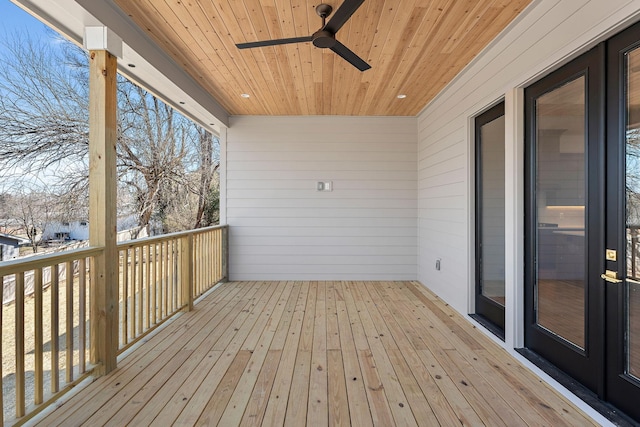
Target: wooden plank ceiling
x=415, y=47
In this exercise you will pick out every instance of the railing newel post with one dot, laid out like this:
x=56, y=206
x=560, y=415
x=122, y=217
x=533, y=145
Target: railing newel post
x=225, y=253
x=186, y=279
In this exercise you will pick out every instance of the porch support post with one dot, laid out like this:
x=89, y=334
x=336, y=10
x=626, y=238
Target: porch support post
x=102, y=208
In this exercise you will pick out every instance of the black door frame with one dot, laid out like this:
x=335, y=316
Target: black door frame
x=485, y=307
x=584, y=365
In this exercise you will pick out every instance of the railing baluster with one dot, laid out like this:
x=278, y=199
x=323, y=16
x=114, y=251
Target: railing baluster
x=140, y=294
x=224, y=253
x=154, y=284
x=216, y=239
x=216, y=256
x=20, y=385
x=172, y=302
x=177, y=301
x=186, y=269
x=206, y=260
x=214, y=270
x=194, y=266
x=69, y=332
x=38, y=337
x=55, y=329
x=125, y=296
x=203, y=260
x=82, y=314
x=213, y=273
x=147, y=266
x=201, y=263
x=165, y=278
x=169, y=277
x=132, y=294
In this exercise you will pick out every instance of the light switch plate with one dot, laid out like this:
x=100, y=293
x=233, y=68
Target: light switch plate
x=324, y=186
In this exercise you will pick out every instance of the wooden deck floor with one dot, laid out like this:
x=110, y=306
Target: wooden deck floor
x=319, y=353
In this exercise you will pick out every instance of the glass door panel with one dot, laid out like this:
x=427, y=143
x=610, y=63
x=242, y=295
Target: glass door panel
x=493, y=239
x=490, y=219
x=560, y=200
x=632, y=214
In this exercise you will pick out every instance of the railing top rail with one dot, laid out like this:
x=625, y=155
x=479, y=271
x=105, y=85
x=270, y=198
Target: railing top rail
x=155, y=239
x=25, y=264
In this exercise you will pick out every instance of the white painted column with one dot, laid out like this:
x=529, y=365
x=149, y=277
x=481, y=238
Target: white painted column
x=514, y=218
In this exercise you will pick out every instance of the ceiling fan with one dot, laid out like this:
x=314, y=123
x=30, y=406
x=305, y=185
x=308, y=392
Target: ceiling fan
x=325, y=37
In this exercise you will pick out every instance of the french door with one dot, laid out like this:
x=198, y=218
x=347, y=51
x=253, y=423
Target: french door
x=623, y=222
x=582, y=270
x=564, y=292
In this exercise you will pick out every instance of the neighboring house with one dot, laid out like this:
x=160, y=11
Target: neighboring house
x=10, y=246
x=63, y=231
x=79, y=230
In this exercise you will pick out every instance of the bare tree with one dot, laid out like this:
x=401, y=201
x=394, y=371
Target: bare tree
x=43, y=108
x=34, y=212
x=208, y=168
x=44, y=130
x=8, y=223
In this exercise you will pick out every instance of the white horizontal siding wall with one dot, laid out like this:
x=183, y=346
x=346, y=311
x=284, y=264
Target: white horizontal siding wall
x=549, y=33
x=281, y=228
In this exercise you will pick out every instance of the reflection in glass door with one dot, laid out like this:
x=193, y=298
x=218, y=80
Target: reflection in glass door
x=560, y=200
x=490, y=229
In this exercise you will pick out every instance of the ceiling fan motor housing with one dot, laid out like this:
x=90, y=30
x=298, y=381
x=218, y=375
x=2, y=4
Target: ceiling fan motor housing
x=323, y=39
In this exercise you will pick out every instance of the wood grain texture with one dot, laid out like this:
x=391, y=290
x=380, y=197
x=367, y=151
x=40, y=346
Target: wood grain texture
x=257, y=353
x=414, y=47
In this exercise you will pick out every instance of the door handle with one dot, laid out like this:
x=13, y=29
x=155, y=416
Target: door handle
x=611, y=276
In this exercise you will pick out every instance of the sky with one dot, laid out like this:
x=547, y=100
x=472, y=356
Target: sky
x=12, y=18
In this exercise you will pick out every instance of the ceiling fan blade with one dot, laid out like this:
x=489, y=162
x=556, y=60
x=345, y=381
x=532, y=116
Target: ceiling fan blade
x=342, y=15
x=350, y=57
x=273, y=42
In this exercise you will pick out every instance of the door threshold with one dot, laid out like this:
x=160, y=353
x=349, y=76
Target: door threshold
x=605, y=409
x=488, y=325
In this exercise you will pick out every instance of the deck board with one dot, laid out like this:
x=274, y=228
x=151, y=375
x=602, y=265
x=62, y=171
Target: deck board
x=319, y=353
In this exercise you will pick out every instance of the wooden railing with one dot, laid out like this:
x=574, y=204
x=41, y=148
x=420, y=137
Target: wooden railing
x=160, y=276
x=45, y=345
x=45, y=330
